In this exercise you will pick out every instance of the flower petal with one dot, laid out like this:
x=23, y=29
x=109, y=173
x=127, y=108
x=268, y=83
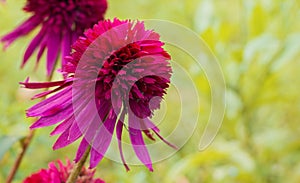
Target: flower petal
x=63, y=126
x=51, y=120
x=119, y=130
x=38, y=85
x=33, y=46
x=81, y=149
x=102, y=140
x=62, y=140
x=53, y=45
x=138, y=143
x=21, y=30
x=66, y=46
x=66, y=93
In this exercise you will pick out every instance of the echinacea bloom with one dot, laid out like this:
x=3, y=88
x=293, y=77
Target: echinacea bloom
x=60, y=174
x=115, y=70
x=62, y=22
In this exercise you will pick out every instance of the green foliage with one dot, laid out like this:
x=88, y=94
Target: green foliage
x=257, y=45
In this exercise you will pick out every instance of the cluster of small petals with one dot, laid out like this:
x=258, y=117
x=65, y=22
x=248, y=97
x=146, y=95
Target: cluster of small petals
x=62, y=22
x=115, y=70
x=60, y=174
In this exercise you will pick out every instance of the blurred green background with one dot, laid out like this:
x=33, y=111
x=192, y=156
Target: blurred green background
x=257, y=43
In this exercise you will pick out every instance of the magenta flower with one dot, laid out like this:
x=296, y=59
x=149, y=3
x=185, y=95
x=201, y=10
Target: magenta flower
x=62, y=22
x=115, y=70
x=61, y=173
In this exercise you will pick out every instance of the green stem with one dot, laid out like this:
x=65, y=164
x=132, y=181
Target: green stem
x=24, y=144
x=78, y=167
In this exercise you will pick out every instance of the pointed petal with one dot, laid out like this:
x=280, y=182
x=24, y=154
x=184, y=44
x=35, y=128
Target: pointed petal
x=33, y=46
x=63, y=140
x=119, y=130
x=52, y=107
x=151, y=125
x=63, y=126
x=95, y=158
x=53, y=45
x=39, y=85
x=102, y=140
x=53, y=99
x=21, y=30
x=75, y=132
x=74, y=37
x=92, y=130
x=81, y=149
x=66, y=47
x=165, y=141
x=43, y=94
x=149, y=134
x=43, y=46
x=84, y=114
x=138, y=143
x=51, y=120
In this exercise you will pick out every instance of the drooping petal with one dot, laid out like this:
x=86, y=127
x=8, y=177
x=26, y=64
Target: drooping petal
x=84, y=113
x=165, y=141
x=40, y=53
x=51, y=108
x=102, y=140
x=38, y=85
x=92, y=113
x=57, y=20
x=81, y=149
x=53, y=46
x=66, y=93
x=33, y=45
x=76, y=132
x=63, y=126
x=51, y=120
x=43, y=94
x=150, y=125
x=22, y=30
x=119, y=130
x=62, y=140
x=138, y=143
x=66, y=49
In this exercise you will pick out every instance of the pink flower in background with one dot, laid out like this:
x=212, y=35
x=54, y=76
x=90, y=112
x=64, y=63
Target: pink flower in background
x=60, y=174
x=115, y=70
x=62, y=22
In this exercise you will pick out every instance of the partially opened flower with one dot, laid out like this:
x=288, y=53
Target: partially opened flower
x=119, y=68
x=62, y=22
x=60, y=174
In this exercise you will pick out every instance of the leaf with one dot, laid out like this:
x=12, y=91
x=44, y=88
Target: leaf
x=6, y=142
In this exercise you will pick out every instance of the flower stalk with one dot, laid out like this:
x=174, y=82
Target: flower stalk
x=78, y=166
x=25, y=142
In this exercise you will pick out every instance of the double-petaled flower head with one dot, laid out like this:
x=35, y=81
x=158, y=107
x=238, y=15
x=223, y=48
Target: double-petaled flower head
x=60, y=174
x=118, y=68
x=61, y=22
